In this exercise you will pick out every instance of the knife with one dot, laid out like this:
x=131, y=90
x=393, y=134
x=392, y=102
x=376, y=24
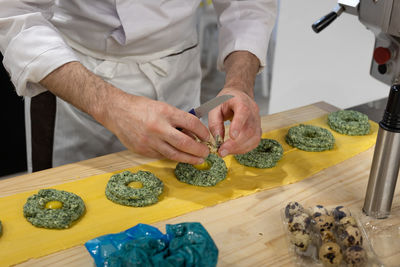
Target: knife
x=203, y=109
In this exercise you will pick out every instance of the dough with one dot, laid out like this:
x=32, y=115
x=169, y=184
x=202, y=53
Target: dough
x=349, y=122
x=217, y=172
x=265, y=155
x=119, y=191
x=310, y=138
x=71, y=209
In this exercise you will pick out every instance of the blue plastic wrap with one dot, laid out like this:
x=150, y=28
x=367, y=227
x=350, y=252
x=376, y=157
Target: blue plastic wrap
x=184, y=244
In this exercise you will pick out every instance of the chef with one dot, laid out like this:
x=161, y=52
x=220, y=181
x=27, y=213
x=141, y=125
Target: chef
x=101, y=76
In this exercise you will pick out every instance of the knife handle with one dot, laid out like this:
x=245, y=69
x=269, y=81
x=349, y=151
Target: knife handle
x=192, y=111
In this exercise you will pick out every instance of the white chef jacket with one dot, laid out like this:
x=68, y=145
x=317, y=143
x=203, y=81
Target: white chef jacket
x=114, y=36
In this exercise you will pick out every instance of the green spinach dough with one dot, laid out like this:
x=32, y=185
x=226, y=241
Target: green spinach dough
x=310, y=138
x=265, y=155
x=349, y=122
x=36, y=212
x=217, y=172
x=119, y=191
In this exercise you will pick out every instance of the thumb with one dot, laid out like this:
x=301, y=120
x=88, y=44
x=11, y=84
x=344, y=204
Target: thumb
x=216, y=123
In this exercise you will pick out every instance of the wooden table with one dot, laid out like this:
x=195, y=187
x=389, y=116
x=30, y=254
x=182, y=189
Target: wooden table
x=247, y=231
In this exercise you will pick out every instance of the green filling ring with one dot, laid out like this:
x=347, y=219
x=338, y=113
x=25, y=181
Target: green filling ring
x=35, y=210
x=349, y=122
x=265, y=155
x=118, y=189
x=310, y=138
x=187, y=173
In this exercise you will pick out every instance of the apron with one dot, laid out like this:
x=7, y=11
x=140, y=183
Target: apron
x=169, y=76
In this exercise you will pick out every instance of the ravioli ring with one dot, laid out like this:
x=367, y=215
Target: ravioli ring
x=265, y=155
x=119, y=191
x=217, y=172
x=37, y=212
x=349, y=122
x=310, y=138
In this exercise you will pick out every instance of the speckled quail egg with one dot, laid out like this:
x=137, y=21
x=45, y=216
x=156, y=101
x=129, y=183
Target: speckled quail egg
x=323, y=223
x=299, y=222
x=351, y=236
x=340, y=212
x=327, y=236
x=301, y=239
x=355, y=256
x=293, y=208
x=330, y=254
x=318, y=210
x=347, y=221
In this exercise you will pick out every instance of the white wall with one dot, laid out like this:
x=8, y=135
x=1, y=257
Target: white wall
x=332, y=66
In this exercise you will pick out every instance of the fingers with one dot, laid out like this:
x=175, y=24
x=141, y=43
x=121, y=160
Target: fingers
x=242, y=115
x=190, y=123
x=216, y=122
x=246, y=141
x=245, y=128
x=173, y=153
x=184, y=143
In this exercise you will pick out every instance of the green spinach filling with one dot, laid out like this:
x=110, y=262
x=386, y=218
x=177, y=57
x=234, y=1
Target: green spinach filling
x=119, y=191
x=265, y=155
x=349, y=122
x=187, y=173
x=310, y=138
x=35, y=210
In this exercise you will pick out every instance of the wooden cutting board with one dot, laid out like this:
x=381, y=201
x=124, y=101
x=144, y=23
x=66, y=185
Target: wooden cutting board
x=248, y=231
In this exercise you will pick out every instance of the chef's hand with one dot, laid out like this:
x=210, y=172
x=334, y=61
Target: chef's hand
x=149, y=127
x=245, y=128
x=145, y=126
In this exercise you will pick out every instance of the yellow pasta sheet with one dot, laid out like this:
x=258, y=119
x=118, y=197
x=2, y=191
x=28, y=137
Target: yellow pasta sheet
x=22, y=241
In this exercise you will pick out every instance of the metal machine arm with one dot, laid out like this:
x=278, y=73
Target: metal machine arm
x=382, y=17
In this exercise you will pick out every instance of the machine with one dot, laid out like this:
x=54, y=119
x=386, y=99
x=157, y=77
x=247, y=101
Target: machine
x=382, y=17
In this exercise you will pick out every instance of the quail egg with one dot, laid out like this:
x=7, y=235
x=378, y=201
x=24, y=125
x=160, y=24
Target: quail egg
x=327, y=236
x=355, y=256
x=323, y=223
x=293, y=208
x=318, y=210
x=340, y=212
x=347, y=221
x=351, y=236
x=299, y=222
x=301, y=239
x=330, y=254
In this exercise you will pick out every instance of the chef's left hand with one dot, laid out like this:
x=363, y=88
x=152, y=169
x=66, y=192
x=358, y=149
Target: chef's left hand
x=245, y=128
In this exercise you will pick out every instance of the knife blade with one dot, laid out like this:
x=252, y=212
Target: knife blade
x=203, y=109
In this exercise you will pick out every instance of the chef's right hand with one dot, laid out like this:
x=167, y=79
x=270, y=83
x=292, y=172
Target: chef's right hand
x=145, y=126
x=149, y=127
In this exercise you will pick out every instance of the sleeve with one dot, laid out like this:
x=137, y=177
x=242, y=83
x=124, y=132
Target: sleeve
x=31, y=46
x=244, y=25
